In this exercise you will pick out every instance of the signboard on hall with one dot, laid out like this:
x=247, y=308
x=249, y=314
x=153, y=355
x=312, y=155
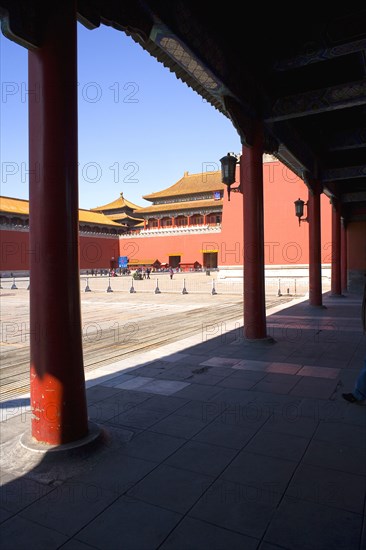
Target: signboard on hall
x=122, y=261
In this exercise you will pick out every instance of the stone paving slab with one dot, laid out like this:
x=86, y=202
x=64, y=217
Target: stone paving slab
x=267, y=456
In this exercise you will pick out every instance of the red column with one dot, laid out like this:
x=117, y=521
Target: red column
x=144, y=224
x=251, y=174
x=188, y=221
x=344, y=263
x=315, y=265
x=173, y=221
x=336, y=289
x=159, y=224
x=57, y=375
x=205, y=219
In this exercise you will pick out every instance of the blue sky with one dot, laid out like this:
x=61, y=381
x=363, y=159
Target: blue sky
x=140, y=128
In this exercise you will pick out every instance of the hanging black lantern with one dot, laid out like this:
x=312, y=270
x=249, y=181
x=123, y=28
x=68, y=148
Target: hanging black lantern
x=299, y=210
x=228, y=168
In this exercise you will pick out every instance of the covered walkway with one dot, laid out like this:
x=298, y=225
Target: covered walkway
x=212, y=442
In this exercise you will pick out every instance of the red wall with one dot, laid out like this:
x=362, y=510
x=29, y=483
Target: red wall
x=95, y=252
x=356, y=232
x=14, y=250
x=188, y=246
x=285, y=242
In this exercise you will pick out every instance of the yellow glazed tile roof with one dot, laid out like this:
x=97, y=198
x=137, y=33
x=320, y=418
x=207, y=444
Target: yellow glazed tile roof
x=188, y=205
x=121, y=202
x=190, y=184
x=14, y=206
x=21, y=207
x=95, y=217
x=123, y=216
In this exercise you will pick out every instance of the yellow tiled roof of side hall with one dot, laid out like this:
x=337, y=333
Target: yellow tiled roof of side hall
x=21, y=206
x=190, y=184
x=14, y=206
x=123, y=216
x=121, y=202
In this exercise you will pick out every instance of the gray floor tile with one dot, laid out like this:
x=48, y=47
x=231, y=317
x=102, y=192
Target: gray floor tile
x=336, y=456
x=189, y=360
x=225, y=435
x=301, y=525
x=152, y=370
x=116, y=473
x=319, y=372
x=193, y=534
x=20, y=534
x=277, y=403
x=284, y=368
x=179, y=426
x=125, y=399
x=198, y=392
x=171, y=488
x=202, y=457
x=207, y=379
x=322, y=410
x=344, y=434
x=291, y=422
x=138, y=417
x=229, y=396
x=129, y=524
x=354, y=414
x=268, y=546
x=135, y=383
x=314, y=387
x=164, y=403
x=277, y=444
x=179, y=375
x=74, y=544
x=164, y=387
x=118, y=379
x=16, y=493
x=215, y=371
x=247, y=364
x=201, y=410
x=237, y=383
x=263, y=472
x=273, y=386
x=328, y=487
x=248, y=375
x=249, y=416
x=219, y=362
x=174, y=357
x=97, y=393
x=153, y=446
x=240, y=508
x=102, y=411
x=70, y=506
x=5, y=514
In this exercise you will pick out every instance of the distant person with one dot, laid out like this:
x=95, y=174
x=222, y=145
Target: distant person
x=148, y=271
x=171, y=272
x=359, y=393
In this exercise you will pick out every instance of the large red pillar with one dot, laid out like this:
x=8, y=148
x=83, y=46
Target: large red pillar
x=336, y=289
x=57, y=376
x=344, y=263
x=315, y=262
x=251, y=176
